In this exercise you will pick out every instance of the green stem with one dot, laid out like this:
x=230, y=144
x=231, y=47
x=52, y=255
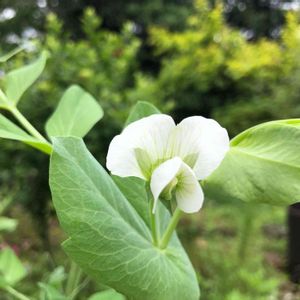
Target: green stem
x=152, y=216
x=73, y=279
x=15, y=293
x=170, y=229
x=3, y=98
x=245, y=235
x=27, y=125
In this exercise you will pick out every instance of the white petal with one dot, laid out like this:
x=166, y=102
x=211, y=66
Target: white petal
x=162, y=176
x=189, y=194
x=149, y=134
x=202, y=139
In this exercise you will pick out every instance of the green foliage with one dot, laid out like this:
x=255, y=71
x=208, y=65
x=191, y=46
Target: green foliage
x=102, y=63
x=210, y=64
x=141, y=110
x=8, y=130
x=11, y=268
x=214, y=239
x=76, y=113
x=107, y=295
x=114, y=237
x=262, y=166
x=48, y=292
x=10, y=54
x=18, y=81
x=8, y=224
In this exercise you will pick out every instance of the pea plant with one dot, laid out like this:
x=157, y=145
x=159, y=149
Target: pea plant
x=121, y=224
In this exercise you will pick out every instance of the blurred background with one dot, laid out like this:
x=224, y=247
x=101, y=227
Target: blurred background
x=237, y=61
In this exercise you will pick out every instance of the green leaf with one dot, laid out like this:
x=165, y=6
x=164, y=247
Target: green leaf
x=8, y=130
x=107, y=237
x=49, y=292
x=263, y=165
x=107, y=295
x=140, y=110
x=76, y=113
x=7, y=56
x=8, y=224
x=134, y=190
x=18, y=81
x=11, y=268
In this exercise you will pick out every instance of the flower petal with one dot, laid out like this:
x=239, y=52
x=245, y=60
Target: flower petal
x=163, y=176
x=189, y=194
x=149, y=134
x=201, y=143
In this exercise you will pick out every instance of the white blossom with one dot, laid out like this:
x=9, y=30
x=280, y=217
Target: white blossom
x=173, y=158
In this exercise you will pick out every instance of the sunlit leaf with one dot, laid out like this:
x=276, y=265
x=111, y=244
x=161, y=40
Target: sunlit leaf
x=263, y=166
x=18, y=81
x=76, y=113
x=107, y=238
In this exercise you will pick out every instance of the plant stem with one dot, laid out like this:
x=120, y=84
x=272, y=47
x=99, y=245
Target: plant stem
x=27, y=125
x=3, y=97
x=152, y=219
x=73, y=279
x=245, y=235
x=15, y=293
x=170, y=229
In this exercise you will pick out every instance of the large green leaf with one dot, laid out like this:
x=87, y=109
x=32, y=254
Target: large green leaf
x=76, y=113
x=140, y=110
x=18, y=81
x=8, y=130
x=107, y=237
x=11, y=268
x=263, y=165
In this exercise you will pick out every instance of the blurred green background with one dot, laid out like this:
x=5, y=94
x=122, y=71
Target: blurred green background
x=237, y=61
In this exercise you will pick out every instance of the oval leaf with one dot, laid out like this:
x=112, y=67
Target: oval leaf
x=140, y=110
x=11, y=268
x=107, y=237
x=76, y=113
x=18, y=81
x=263, y=165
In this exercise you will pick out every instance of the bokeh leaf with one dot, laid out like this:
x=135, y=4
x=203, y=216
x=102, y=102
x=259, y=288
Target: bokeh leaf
x=140, y=110
x=107, y=295
x=8, y=224
x=76, y=113
x=49, y=292
x=263, y=166
x=7, y=56
x=107, y=237
x=11, y=268
x=8, y=130
x=18, y=81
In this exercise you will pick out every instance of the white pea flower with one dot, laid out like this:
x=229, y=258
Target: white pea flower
x=173, y=158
